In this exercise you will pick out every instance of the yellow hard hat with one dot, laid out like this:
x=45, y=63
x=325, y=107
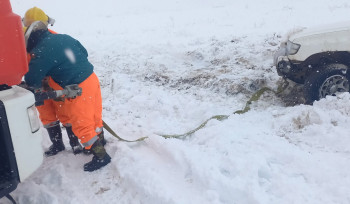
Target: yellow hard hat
x=35, y=14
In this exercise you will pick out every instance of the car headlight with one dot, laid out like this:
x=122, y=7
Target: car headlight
x=33, y=118
x=292, y=48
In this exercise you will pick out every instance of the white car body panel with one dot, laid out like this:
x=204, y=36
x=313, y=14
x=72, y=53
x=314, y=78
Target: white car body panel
x=27, y=145
x=335, y=37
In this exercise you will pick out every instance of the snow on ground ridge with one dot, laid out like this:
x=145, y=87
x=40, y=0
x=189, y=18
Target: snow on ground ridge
x=168, y=76
x=216, y=65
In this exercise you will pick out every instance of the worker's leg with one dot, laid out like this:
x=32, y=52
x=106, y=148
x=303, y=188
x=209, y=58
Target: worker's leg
x=73, y=139
x=101, y=136
x=63, y=116
x=47, y=113
x=55, y=135
x=98, y=119
x=49, y=119
x=82, y=112
x=100, y=158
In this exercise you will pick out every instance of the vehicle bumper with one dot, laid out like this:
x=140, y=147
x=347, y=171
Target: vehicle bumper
x=286, y=68
x=281, y=61
x=283, y=66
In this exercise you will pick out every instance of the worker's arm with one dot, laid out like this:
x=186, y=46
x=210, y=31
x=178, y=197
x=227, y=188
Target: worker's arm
x=39, y=67
x=70, y=91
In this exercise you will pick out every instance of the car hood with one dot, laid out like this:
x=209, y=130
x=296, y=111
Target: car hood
x=335, y=27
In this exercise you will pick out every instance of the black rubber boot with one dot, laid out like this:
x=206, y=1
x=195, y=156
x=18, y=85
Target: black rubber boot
x=101, y=136
x=73, y=141
x=100, y=158
x=55, y=135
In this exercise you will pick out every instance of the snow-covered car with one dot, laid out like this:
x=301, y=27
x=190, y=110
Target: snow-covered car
x=318, y=58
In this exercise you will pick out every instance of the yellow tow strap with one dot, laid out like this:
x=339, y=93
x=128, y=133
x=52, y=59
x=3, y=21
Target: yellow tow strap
x=253, y=98
x=105, y=126
x=256, y=96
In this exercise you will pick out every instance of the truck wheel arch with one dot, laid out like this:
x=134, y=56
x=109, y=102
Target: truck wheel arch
x=325, y=58
x=328, y=80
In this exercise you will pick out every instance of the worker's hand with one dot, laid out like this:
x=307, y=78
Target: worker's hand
x=72, y=91
x=45, y=84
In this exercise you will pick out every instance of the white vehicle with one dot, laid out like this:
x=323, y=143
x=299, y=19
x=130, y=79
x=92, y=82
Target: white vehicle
x=20, y=139
x=318, y=58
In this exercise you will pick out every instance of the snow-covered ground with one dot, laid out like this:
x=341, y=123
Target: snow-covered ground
x=166, y=67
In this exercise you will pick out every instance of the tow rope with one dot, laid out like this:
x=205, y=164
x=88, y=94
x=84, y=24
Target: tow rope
x=255, y=97
x=109, y=129
x=217, y=117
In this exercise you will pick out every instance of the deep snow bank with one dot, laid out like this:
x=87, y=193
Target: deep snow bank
x=165, y=67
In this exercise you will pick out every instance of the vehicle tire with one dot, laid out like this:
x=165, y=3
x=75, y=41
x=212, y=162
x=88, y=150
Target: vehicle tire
x=331, y=80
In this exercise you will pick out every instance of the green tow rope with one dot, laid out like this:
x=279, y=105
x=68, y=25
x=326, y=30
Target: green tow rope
x=256, y=96
x=109, y=129
x=217, y=117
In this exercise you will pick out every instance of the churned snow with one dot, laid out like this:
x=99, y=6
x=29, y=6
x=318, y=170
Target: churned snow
x=167, y=66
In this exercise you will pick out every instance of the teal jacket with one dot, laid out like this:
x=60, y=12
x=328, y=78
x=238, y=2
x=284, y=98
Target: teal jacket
x=59, y=56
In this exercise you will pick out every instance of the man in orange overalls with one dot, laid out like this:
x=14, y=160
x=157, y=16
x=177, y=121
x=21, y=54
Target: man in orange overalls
x=54, y=111
x=65, y=61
